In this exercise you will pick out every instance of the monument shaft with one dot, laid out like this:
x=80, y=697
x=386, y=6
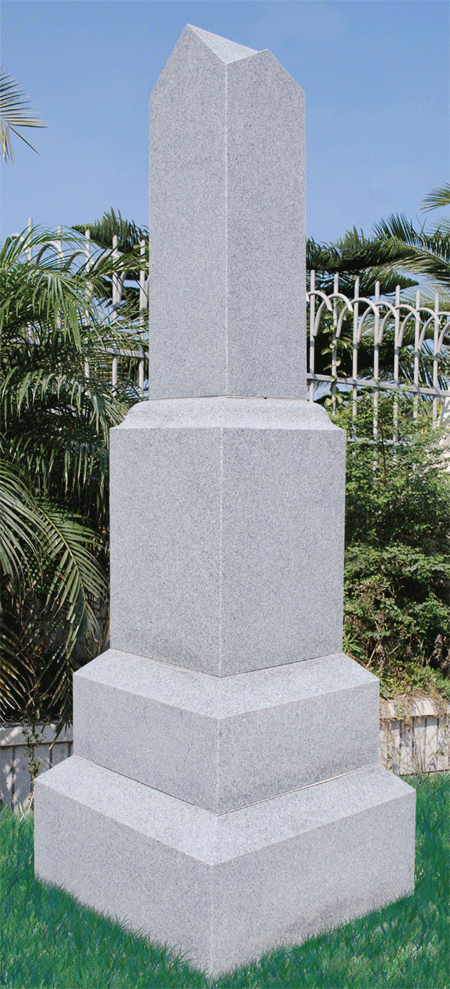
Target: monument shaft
x=227, y=225
x=224, y=794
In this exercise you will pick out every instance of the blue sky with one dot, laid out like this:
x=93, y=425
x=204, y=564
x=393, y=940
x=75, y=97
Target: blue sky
x=375, y=74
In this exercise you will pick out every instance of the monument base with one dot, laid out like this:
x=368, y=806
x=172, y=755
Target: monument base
x=224, y=888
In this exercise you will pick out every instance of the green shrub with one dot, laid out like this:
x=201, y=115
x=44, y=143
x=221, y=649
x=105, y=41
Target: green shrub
x=397, y=568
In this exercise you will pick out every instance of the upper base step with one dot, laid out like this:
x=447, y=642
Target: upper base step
x=226, y=742
x=225, y=888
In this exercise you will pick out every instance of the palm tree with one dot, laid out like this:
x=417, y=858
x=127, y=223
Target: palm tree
x=113, y=225
x=351, y=256
x=15, y=110
x=423, y=252
x=394, y=248
x=57, y=408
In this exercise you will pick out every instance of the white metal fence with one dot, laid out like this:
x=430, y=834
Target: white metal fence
x=372, y=319
x=375, y=317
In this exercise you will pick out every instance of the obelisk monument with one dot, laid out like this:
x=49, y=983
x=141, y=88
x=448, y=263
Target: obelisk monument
x=224, y=794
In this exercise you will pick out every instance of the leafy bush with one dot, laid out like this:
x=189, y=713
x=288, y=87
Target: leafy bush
x=397, y=568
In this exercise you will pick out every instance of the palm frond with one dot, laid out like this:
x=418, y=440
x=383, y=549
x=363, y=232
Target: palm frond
x=21, y=528
x=15, y=111
x=16, y=671
x=437, y=198
x=425, y=262
x=112, y=225
x=51, y=289
x=398, y=228
x=355, y=256
x=48, y=614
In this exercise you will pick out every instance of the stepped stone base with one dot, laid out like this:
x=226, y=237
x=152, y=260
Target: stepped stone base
x=225, y=888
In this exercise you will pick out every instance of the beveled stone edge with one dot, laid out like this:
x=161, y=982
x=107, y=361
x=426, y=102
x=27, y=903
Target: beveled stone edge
x=215, y=697
x=225, y=50
x=229, y=412
x=217, y=838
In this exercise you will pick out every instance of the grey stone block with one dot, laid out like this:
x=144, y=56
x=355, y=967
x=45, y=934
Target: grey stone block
x=227, y=208
x=225, y=742
x=225, y=888
x=227, y=548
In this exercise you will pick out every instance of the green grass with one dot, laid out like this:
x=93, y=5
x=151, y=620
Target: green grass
x=48, y=940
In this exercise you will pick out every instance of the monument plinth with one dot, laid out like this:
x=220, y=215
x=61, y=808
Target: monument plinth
x=224, y=794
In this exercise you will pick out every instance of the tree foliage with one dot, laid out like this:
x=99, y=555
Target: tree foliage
x=58, y=333
x=57, y=406
x=397, y=569
x=394, y=248
x=133, y=259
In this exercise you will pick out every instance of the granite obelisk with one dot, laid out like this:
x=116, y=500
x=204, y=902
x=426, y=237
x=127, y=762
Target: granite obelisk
x=224, y=794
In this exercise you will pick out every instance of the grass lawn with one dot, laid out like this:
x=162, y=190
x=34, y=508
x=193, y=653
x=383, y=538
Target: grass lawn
x=48, y=940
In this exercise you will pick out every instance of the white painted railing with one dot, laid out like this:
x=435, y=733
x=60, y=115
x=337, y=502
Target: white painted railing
x=374, y=316
x=410, y=742
x=377, y=316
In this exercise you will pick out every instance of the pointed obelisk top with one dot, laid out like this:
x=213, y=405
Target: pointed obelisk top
x=227, y=224
x=227, y=51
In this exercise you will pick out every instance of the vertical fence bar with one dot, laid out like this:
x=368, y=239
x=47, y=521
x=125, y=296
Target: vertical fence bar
x=116, y=296
x=376, y=359
x=59, y=249
x=416, y=354
x=87, y=255
x=436, y=358
x=29, y=255
x=143, y=301
x=312, y=315
x=334, y=344
x=116, y=293
x=355, y=354
x=396, y=362
x=29, y=251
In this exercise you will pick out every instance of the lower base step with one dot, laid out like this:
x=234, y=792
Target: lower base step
x=225, y=888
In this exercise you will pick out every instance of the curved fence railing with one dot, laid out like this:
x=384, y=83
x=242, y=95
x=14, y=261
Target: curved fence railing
x=415, y=336
x=405, y=347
